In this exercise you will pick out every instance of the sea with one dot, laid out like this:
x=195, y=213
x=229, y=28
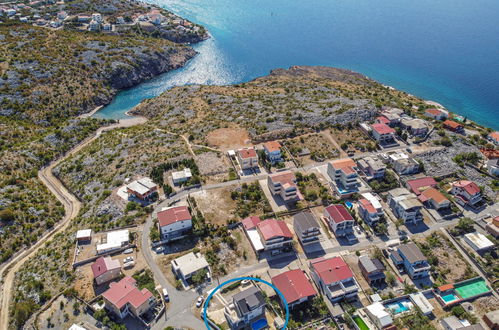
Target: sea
x=446, y=51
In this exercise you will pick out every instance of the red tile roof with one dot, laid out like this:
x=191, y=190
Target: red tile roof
x=434, y=112
x=494, y=136
x=286, y=177
x=331, y=270
x=173, y=214
x=382, y=128
x=367, y=205
x=123, y=292
x=247, y=153
x=251, y=222
x=272, y=146
x=338, y=213
x=452, y=124
x=342, y=163
x=469, y=186
x=416, y=184
x=446, y=287
x=294, y=285
x=272, y=228
x=434, y=194
x=383, y=119
x=104, y=264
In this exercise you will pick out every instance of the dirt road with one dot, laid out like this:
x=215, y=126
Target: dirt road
x=71, y=205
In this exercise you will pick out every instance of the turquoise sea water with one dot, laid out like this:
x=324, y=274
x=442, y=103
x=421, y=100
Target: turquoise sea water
x=441, y=50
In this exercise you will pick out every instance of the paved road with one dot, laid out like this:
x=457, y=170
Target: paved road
x=71, y=205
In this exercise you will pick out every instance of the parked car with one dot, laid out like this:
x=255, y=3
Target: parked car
x=127, y=259
x=129, y=264
x=409, y=150
x=199, y=302
x=165, y=295
x=159, y=249
x=128, y=251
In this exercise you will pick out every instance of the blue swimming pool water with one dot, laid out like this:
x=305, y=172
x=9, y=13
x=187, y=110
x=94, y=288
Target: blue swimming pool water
x=397, y=307
x=446, y=50
x=349, y=205
x=449, y=297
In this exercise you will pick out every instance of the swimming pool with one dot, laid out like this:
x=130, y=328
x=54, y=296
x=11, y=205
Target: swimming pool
x=360, y=323
x=349, y=204
x=399, y=306
x=449, y=297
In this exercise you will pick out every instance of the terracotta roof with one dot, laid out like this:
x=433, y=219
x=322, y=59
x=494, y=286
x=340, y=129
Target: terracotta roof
x=452, y=124
x=342, y=163
x=434, y=112
x=382, y=128
x=272, y=146
x=294, y=285
x=367, y=205
x=247, y=153
x=416, y=184
x=103, y=265
x=272, y=228
x=490, y=153
x=283, y=178
x=434, y=194
x=469, y=186
x=331, y=270
x=446, y=287
x=494, y=135
x=123, y=292
x=338, y=213
x=383, y=119
x=251, y=222
x=173, y=214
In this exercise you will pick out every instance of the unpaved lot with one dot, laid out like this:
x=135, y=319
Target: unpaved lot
x=229, y=138
x=216, y=205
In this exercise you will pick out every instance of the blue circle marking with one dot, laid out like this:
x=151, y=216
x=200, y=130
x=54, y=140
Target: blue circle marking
x=207, y=302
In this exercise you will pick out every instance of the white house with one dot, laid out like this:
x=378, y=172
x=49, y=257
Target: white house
x=181, y=176
x=466, y=193
x=343, y=172
x=403, y=164
x=283, y=184
x=405, y=205
x=340, y=220
x=383, y=133
x=478, y=242
x=247, y=158
x=370, y=210
x=379, y=315
x=334, y=278
x=174, y=222
x=188, y=265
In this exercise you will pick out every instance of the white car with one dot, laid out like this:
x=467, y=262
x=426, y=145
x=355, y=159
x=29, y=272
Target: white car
x=127, y=259
x=159, y=249
x=165, y=295
x=199, y=302
x=128, y=251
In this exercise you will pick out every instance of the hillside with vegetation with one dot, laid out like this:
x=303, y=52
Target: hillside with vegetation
x=48, y=78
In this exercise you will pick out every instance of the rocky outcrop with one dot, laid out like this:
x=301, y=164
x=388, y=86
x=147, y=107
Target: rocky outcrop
x=147, y=66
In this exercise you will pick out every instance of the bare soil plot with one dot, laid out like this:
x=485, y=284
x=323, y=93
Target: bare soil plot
x=352, y=261
x=64, y=312
x=451, y=266
x=216, y=205
x=229, y=138
x=484, y=305
x=319, y=145
x=355, y=140
x=212, y=163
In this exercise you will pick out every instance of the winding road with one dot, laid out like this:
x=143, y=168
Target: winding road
x=71, y=206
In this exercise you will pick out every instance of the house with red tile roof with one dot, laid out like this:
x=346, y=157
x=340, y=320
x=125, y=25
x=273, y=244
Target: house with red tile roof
x=383, y=133
x=343, y=172
x=419, y=185
x=174, y=222
x=340, y=220
x=275, y=235
x=272, y=150
x=382, y=120
x=283, y=184
x=295, y=287
x=124, y=298
x=436, y=114
x=247, y=158
x=105, y=269
x=453, y=126
x=435, y=198
x=251, y=222
x=334, y=278
x=370, y=211
x=466, y=193
x=494, y=137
